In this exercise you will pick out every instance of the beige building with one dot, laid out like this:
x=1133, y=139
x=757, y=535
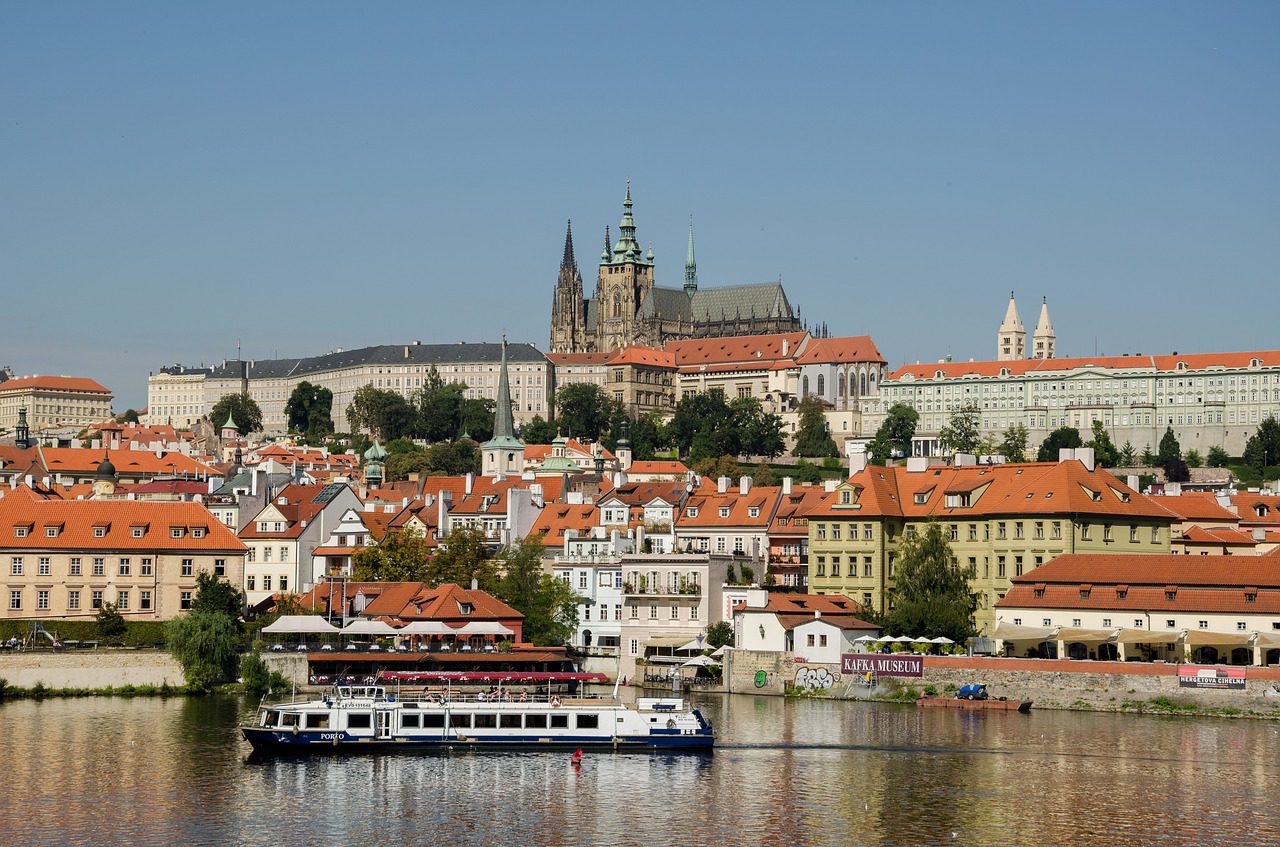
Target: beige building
x=52, y=401
x=667, y=599
x=63, y=559
x=181, y=395
x=642, y=379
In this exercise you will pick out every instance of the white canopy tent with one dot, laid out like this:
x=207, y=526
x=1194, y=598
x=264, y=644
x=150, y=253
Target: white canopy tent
x=427, y=628
x=695, y=646
x=303, y=624
x=484, y=628
x=361, y=626
x=941, y=639
x=1015, y=632
x=701, y=662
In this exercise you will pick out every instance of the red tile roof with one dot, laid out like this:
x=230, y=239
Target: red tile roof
x=1159, y=570
x=1228, y=537
x=556, y=519
x=755, y=350
x=708, y=506
x=1019, y=367
x=578, y=358
x=663, y=467
x=647, y=356
x=54, y=383
x=75, y=521
x=852, y=348
x=80, y=461
x=1201, y=506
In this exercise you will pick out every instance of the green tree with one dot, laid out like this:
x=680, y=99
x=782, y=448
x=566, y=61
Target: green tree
x=398, y=557
x=254, y=675
x=1148, y=459
x=716, y=468
x=1176, y=470
x=1065, y=437
x=893, y=438
x=931, y=594
x=583, y=410
x=1194, y=459
x=760, y=432
x=110, y=623
x=1262, y=450
x=452, y=458
x=807, y=472
x=1218, y=457
x=130, y=416
x=538, y=431
x=1128, y=455
x=813, y=436
x=463, y=556
x=763, y=474
x=720, y=634
x=438, y=407
x=962, y=433
x=401, y=465
x=217, y=596
x=1014, y=444
x=206, y=644
x=310, y=410
x=385, y=415
x=549, y=605
x=1170, y=450
x=702, y=426
x=1104, y=450
x=241, y=408
x=477, y=418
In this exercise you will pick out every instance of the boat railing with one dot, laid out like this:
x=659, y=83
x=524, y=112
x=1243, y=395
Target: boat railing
x=504, y=697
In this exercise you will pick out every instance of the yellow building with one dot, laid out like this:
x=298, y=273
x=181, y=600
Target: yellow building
x=53, y=401
x=1002, y=520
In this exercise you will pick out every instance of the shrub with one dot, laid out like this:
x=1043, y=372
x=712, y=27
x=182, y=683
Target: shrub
x=254, y=675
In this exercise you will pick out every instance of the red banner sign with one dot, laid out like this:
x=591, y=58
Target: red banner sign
x=881, y=664
x=1198, y=676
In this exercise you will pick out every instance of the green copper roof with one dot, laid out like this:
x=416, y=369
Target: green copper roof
x=231, y=421
x=504, y=430
x=690, y=264
x=375, y=453
x=627, y=249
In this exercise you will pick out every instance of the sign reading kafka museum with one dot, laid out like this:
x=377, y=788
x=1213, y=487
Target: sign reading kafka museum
x=881, y=665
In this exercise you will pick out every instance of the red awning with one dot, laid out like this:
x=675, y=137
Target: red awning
x=491, y=676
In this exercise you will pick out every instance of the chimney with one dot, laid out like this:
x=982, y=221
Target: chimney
x=857, y=462
x=213, y=484
x=1132, y=481
x=786, y=485
x=475, y=584
x=1085, y=455
x=829, y=485
x=722, y=485
x=817, y=613
x=1066, y=454
x=917, y=464
x=253, y=482
x=471, y=481
x=965, y=460
x=786, y=346
x=744, y=486
x=535, y=494
x=1259, y=535
x=442, y=513
x=757, y=598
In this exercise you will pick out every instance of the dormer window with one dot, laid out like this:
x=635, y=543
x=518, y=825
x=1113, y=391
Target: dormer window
x=175, y=532
x=197, y=532
x=50, y=532
x=466, y=608
x=724, y=511
x=20, y=531
x=921, y=498
x=135, y=532
x=99, y=532
x=753, y=512
x=691, y=512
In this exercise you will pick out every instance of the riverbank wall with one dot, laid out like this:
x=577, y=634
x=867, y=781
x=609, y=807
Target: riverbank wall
x=91, y=669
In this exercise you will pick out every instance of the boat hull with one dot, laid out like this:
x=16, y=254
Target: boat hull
x=1023, y=706
x=270, y=739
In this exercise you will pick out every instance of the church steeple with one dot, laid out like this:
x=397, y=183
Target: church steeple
x=690, y=265
x=1044, y=340
x=568, y=261
x=503, y=426
x=1011, y=339
x=627, y=248
x=503, y=454
x=568, y=321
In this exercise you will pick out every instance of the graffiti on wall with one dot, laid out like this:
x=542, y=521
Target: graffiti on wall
x=812, y=678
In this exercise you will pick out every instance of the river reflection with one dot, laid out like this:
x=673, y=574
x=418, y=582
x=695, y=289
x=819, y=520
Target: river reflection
x=150, y=771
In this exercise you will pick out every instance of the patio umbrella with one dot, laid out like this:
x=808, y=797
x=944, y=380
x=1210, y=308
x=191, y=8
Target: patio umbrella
x=865, y=639
x=720, y=652
x=308, y=624
x=368, y=627
x=700, y=662
x=941, y=639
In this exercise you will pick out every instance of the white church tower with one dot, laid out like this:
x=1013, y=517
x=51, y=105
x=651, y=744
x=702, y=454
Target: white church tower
x=1044, y=341
x=1011, y=342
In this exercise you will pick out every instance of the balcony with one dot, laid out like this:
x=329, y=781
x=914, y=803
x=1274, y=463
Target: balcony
x=643, y=589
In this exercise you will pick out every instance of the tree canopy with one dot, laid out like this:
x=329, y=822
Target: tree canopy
x=583, y=410
x=719, y=634
x=893, y=438
x=218, y=596
x=241, y=408
x=813, y=435
x=384, y=414
x=1218, y=457
x=206, y=644
x=962, y=433
x=931, y=594
x=1104, y=449
x=463, y=557
x=1014, y=444
x=1263, y=447
x=1062, y=438
x=538, y=431
x=398, y=557
x=309, y=410
x=1169, y=449
x=549, y=605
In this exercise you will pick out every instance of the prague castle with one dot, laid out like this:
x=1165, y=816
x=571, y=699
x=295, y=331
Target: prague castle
x=628, y=308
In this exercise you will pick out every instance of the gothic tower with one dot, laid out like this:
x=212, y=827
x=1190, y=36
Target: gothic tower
x=502, y=455
x=1011, y=340
x=625, y=277
x=568, y=308
x=690, y=266
x=1044, y=341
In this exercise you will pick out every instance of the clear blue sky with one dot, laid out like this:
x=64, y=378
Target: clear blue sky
x=306, y=176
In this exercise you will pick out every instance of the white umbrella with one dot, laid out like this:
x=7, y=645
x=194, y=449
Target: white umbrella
x=941, y=639
x=866, y=639
x=920, y=640
x=695, y=644
x=700, y=662
x=484, y=628
x=361, y=626
x=427, y=628
x=309, y=624
x=720, y=652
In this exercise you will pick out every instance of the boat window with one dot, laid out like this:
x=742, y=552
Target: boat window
x=588, y=721
x=289, y=719
x=538, y=721
x=358, y=720
x=410, y=720
x=318, y=720
x=433, y=721
x=484, y=721
x=460, y=721
x=559, y=721
x=269, y=717
x=509, y=721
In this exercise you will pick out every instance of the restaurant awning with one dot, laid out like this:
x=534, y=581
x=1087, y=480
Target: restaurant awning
x=672, y=641
x=1268, y=639
x=484, y=628
x=1146, y=636
x=1202, y=637
x=1016, y=632
x=361, y=626
x=1071, y=633
x=427, y=628
x=308, y=624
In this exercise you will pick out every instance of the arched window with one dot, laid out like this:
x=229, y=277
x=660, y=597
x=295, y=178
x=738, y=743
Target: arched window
x=821, y=385
x=864, y=383
x=617, y=305
x=804, y=386
x=840, y=386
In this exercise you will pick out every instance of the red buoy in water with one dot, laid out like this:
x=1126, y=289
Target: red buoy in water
x=577, y=757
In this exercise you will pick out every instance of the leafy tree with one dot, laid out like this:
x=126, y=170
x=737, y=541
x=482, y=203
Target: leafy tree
x=1014, y=444
x=1148, y=458
x=1194, y=459
x=1170, y=450
x=463, y=557
x=1104, y=450
x=760, y=432
x=549, y=605
x=1061, y=438
x=931, y=591
x=807, y=472
x=893, y=438
x=438, y=407
x=1128, y=455
x=1218, y=457
x=477, y=418
x=813, y=436
x=720, y=634
x=310, y=409
x=206, y=644
x=702, y=426
x=217, y=596
x=454, y=457
x=130, y=416
x=241, y=408
x=583, y=410
x=763, y=474
x=962, y=433
x=398, y=557
x=538, y=431
x=401, y=465
x=1263, y=447
x=254, y=675
x=716, y=468
x=1176, y=470
x=386, y=415
x=110, y=623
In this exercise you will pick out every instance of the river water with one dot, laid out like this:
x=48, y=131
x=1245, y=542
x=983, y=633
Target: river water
x=163, y=772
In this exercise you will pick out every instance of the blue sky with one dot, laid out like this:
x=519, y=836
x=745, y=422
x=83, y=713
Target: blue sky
x=305, y=176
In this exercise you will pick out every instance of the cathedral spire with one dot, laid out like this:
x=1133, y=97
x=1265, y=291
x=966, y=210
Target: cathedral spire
x=1011, y=339
x=568, y=262
x=604, y=254
x=690, y=265
x=503, y=426
x=1044, y=340
x=627, y=246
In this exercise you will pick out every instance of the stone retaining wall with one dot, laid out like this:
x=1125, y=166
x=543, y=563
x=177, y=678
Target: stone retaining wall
x=91, y=669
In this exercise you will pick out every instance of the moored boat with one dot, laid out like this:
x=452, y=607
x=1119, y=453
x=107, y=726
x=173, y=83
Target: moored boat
x=975, y=697
x=363, y=717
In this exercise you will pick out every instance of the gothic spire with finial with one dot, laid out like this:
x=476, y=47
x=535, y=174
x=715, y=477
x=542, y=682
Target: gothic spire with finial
x=503, y=426
x=627, y=246
x=568, y=262
x=604, y=254
x=690, y=265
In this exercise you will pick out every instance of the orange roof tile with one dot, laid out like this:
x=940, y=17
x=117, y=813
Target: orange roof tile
x=667, y=467
x=852, y=348
x=1020, y=367
x=648, y=356
x=54, y=383
x=75, y=521
x=78, y=460
x=753, y=349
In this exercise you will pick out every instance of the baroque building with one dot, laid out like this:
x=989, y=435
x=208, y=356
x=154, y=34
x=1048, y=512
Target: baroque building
x=627, y=307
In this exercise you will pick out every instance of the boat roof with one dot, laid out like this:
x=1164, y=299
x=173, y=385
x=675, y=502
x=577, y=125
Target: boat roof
x=490, y=676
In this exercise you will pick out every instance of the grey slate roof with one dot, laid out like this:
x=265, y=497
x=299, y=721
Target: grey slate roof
x=385, y=354
x=666, y=303
x=761, y=300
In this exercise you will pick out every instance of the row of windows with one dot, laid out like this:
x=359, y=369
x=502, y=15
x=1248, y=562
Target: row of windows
x=251, y=582
x=98, y=566
x=123, y=601
x=1139, y=623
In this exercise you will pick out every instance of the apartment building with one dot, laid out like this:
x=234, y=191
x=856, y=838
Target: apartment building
x=52, y=401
